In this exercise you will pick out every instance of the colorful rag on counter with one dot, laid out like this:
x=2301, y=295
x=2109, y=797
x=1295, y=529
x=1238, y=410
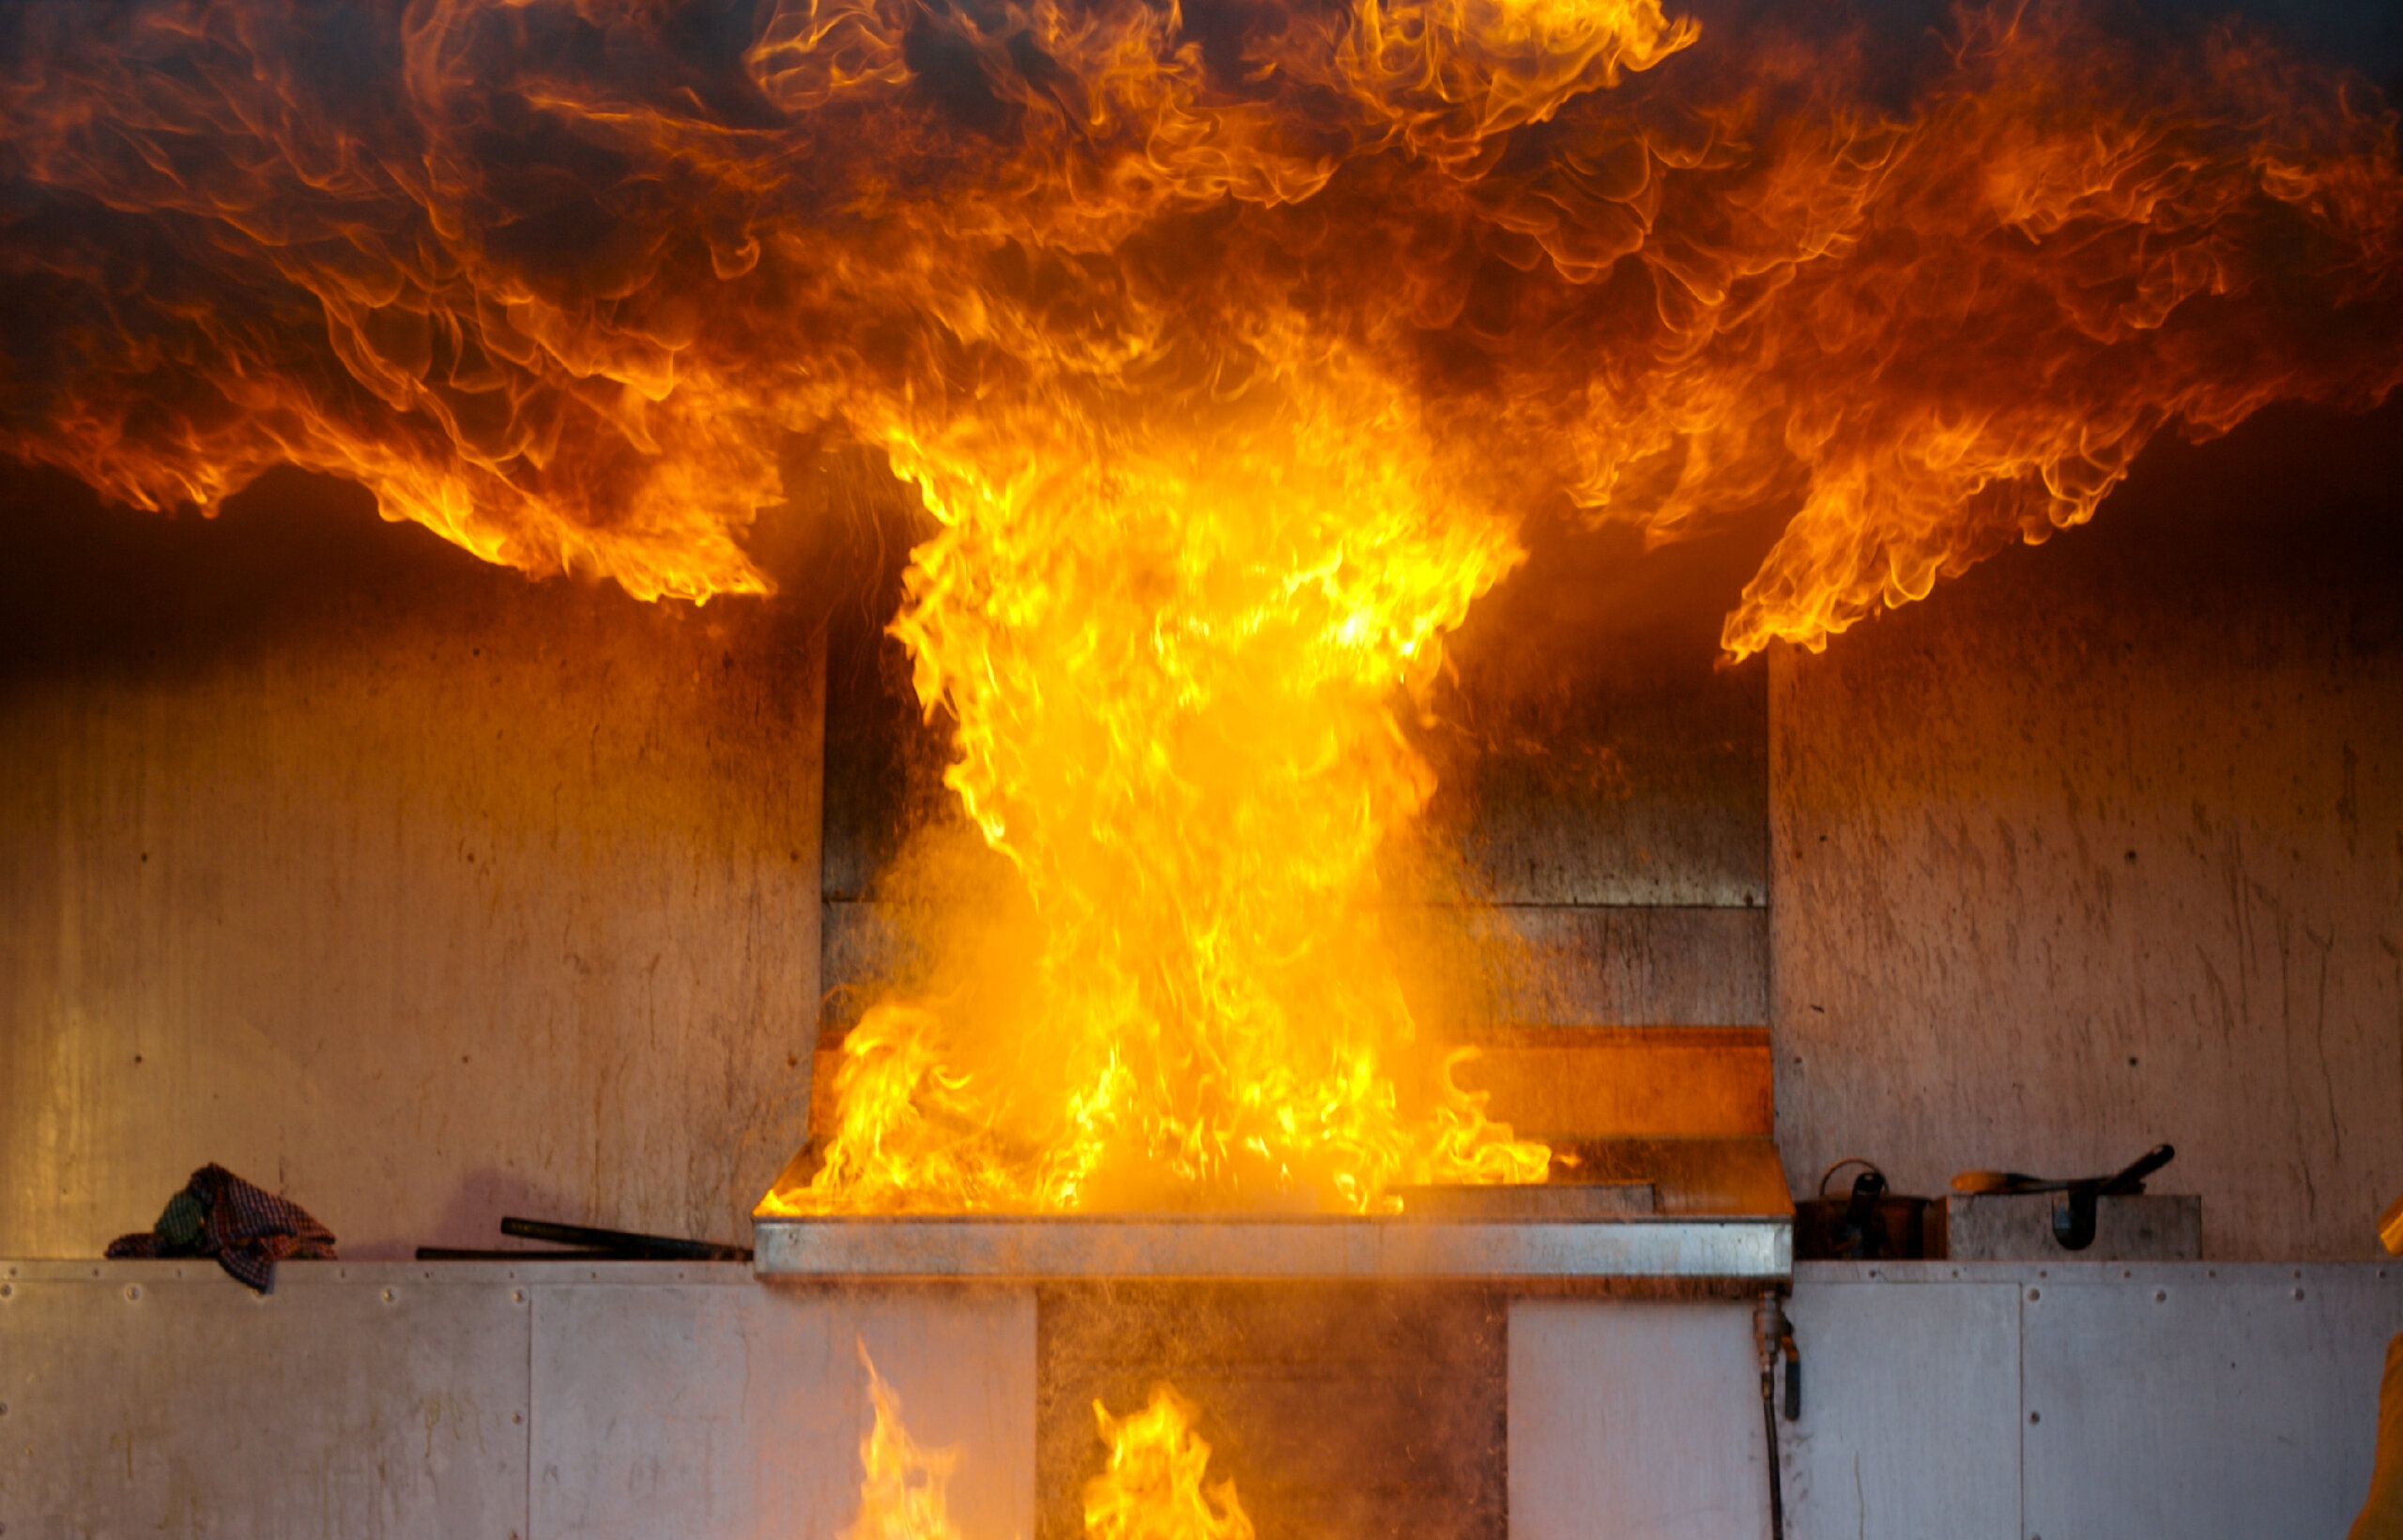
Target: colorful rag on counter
x=247, y=1228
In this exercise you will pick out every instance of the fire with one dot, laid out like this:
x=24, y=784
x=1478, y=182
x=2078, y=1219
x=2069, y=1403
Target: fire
x=1152, y=1488
x=1229, y=346
x=901, y=1489
x=1172, y=660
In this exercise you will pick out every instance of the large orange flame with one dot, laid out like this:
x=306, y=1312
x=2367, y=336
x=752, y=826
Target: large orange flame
x=1155, y=1487
x=1229, y=342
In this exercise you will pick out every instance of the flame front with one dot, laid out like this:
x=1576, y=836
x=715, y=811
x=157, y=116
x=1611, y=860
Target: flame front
x=1228, y=344
x=1152, y=1488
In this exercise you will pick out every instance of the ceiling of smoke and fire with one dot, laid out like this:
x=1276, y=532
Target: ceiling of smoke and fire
x=557, y=279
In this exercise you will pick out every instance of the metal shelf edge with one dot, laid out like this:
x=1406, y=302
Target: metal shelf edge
x=1034, y=1249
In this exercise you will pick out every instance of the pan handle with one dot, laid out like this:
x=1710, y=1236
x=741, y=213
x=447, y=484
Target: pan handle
x=2132, y=1179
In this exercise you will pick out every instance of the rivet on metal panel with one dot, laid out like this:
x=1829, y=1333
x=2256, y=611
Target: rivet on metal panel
x=132, y=1291
x=2035, y=1416
x=388, y=1296
x=2035, y=1293
x=2159, y=1295
x=517, y=1296
x=2127, y=1272
x=6, y=1291
x=516, y=1416
x=4, y=1408
x=2298, y=1293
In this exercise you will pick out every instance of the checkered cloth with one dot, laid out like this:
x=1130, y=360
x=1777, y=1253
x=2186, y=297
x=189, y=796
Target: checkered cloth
x=247, y=1229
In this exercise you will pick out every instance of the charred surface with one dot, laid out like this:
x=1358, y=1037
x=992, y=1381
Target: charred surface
x=1347, y=1412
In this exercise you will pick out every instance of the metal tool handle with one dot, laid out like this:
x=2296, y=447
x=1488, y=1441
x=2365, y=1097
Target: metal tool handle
x=624, y=1243
x=2132, y=1179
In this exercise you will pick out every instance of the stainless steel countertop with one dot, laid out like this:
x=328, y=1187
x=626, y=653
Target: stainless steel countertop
x=1029, y=1248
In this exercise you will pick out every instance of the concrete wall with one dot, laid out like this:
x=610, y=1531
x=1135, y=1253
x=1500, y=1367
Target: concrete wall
x=2102, y=845
x=390, y=880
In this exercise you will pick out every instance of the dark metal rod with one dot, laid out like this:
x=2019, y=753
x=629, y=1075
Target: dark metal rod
x=468, y=1254
x=624, y=1243
x=1771, y=1329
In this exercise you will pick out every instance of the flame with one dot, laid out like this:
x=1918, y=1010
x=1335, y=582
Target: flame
x=1228, y=344
x=901, y=1487
x=1153, y=1488
x=1172, y=660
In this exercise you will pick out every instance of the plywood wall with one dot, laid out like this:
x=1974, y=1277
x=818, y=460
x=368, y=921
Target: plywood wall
x=424, y=894
x=394, y=881
x=2102, y=845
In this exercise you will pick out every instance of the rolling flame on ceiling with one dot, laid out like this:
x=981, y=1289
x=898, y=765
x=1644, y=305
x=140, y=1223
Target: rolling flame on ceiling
x=1227, y=342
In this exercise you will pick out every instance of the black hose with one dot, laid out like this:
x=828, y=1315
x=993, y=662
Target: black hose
x=1770, y=1334
x=1776, y=1485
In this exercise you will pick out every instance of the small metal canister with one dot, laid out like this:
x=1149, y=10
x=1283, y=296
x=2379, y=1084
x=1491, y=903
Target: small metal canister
x=1866, y=1224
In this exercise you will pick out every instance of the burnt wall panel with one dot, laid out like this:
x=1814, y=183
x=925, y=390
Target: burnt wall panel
x=1595, y=852
x=1342, y=1411
x=1474, y=966
x=2102, y=845
x=417, y=890
x=1644, y=786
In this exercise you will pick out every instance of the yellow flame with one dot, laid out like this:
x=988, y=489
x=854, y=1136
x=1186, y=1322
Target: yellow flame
x=1173, y=655
x=1154, y=1487
x=902, y=1485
